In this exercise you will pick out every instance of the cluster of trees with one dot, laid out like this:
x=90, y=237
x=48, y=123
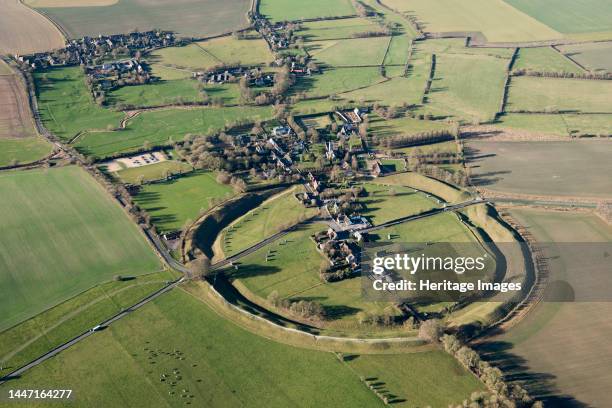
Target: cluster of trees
x=306, y=309
x=459, y=177
x=390, y=112
x=237, y=183
x=570, y=75
x=282, y=81
x=503, y=394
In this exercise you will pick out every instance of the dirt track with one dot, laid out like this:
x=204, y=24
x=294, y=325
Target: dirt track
x=24, y=31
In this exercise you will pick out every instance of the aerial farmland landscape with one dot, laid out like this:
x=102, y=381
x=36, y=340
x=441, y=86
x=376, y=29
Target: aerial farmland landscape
x=289, y=203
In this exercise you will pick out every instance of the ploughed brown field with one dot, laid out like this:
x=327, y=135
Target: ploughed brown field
x=15, y=116
x=23, y=30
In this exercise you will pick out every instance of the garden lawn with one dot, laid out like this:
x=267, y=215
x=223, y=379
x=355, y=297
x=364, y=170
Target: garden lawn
x=162, y=126
x=540, y=94
x=204, y=356
x=66, y=106
x=289, y=10
x=545, y=59
x=62, y=234
x=172, y=203
x=23, y=150
x=272, y=216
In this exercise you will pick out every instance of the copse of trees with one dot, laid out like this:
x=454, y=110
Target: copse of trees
x=303, y=308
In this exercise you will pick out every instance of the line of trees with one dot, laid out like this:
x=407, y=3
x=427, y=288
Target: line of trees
x=569, y=75
x=432, y=136
x=502, y=394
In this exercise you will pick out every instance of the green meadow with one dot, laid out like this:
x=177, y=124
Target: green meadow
x=66, y=106
x=171, y=203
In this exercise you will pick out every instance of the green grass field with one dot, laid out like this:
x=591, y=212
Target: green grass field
x=441, y=148
x=22, y=343
x=544, y=168
x=593, y=125
x=23, y=150
x=398, y=50
x=172, y=203
x=191, y=19
x=289, y=10
x=232, y=51
x=534, y=123
x=396, y=91
x=540, y=94
x=579, y=16
x=497, y=20
x=204, y=364
x=545, y=59
x=385, y=203
x=469, y=87
x=270, y=217
x=420, y=182
x=564, y=346
x=402, y=126
x=594, y=56
x=66, y=106
x=564, y=125
x=157, y=94
x=337, y=80
x=353, y=52
x=161, y=126
x=153, y=172
x=62, y=235
x=190, y=58
x=335, y=29
x=399, y=376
